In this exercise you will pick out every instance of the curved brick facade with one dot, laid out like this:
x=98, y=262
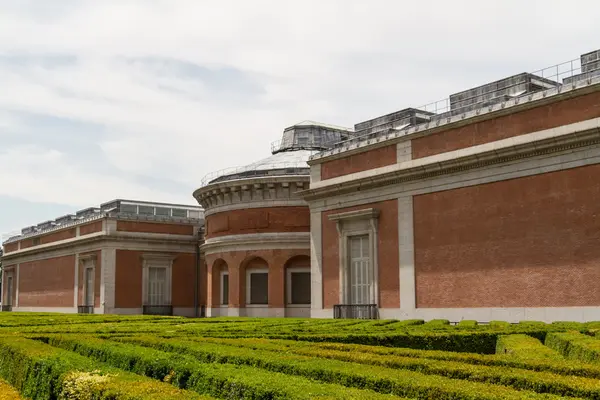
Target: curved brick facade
x=258, y=220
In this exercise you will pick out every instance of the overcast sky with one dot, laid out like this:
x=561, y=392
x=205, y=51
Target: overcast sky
x=102, y=99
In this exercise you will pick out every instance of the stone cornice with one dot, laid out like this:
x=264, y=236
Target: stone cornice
x=238, y=194
x=250, y=241
x=533, y=100
x=365, y=213
x=123, y=238
x=526, y=146
x=101, y=216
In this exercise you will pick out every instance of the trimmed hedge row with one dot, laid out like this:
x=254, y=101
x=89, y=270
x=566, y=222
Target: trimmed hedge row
x=575, y=346
x=224, y=381
x=8, y=392
x=420, y=379
x=525, y=347
x=541, y=382
x=558, y=366
x=470, y=342
x=42, y=372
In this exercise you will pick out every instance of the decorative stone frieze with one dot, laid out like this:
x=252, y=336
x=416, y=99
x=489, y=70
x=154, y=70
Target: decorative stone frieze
x=252, y=193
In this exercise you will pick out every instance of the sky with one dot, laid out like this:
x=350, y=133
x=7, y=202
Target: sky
x=104, y=99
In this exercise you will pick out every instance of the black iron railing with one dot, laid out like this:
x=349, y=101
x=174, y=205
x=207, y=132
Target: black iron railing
x=157, y=310
x=6, y=307
x=355, y=311
x=85, y=309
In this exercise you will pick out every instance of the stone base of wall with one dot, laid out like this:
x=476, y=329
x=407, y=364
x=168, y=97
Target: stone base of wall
x=512, y=314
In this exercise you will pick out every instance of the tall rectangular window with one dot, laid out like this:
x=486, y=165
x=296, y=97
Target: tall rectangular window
x=360, y=270
x=259, y=288
x=157, y=286
x=224, y=288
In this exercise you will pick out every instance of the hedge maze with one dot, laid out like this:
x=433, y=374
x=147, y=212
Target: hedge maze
x=58, y=356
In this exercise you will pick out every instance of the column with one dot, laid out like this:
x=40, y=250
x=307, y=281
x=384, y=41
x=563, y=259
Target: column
x=316, y=263
x=407, y=255
x=277, y=286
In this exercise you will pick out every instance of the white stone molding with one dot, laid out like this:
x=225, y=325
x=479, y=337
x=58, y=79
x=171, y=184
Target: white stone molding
x=518, y=168
x=125, y=240
x=544, y=142
x=408, y=296
x=84, y=262
x=16, y=284
x=252, y=193
x=355, y=223
x=76, y=282
x=316, y=261
x=257, y=241
x=109, y=270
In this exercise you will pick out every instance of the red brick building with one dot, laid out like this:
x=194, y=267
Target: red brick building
x=484, y=207
x=487, y=211
x=124, y=257
x=257, y=240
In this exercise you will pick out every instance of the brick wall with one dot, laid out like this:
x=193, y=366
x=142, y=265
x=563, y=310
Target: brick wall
x=370, y=159
x=10, y=247
x=183, y=279
x=47, y=283
x=49, y=238
x=151, y=227
x=527, y=242
x=548, y=116
x=388, y=255
x=128, y=279
x=90, y=228
x=258, y=220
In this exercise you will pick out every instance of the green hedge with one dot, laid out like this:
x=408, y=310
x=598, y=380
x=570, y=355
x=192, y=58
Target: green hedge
x=575, y=346
x=558, y=366
x=519, y=379
x=470, y=342
x=224, y=381
x=468, y=323
x=432, y=376
x=42, y=372
x=525, y=347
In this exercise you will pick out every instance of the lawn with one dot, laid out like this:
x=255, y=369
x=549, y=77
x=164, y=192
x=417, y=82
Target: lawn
x=60, y=356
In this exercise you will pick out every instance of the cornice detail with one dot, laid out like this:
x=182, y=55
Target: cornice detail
x=532, y=100
x=445, y=164
x=242, y=193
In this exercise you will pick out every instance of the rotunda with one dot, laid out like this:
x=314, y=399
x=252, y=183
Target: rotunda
x=257, y=232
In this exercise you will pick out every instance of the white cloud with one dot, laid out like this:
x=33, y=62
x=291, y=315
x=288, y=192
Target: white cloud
x=47, y=176
x=339, y=61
